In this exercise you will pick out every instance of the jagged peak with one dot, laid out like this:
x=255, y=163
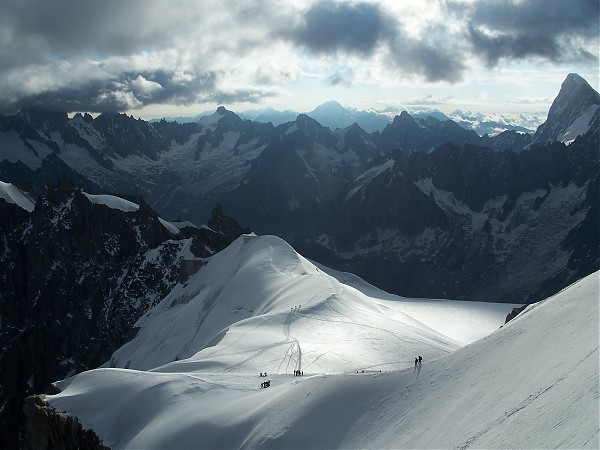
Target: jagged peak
x=223, y=112
x=404, y=119
x=306, y=120
x=575, y=78
x=356, y=128
x=573, y=99
x=575, y=83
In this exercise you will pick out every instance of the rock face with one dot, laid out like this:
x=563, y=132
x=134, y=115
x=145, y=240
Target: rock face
x=409, y=134
x=75, y=276
x=48, y=429
x=576, y=97
x=464, y=222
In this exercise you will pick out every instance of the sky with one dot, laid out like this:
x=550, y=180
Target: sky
x=153, y=58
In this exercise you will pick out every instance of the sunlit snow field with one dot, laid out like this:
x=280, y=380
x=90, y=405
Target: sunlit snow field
x=190, y=378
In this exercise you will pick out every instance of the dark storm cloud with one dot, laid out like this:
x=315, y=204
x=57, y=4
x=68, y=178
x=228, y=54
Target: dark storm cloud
x=364, y=28
x=114, y=55
x=94, y=96
x=550, y=29
x=328, y=27
x=433, y=60
x=493, y=48
x=129, y=90
x=54, y=29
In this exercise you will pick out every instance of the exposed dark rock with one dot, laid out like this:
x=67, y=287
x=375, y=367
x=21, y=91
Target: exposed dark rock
x=514, y=313
x=575, y=96
x=75, y=276
x=226, y=225
x=47, y=429
x=469, y=223
x=409, y=135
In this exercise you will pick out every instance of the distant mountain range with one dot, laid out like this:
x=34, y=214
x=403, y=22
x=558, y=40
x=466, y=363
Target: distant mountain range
x=333, y=115
x=451, y=208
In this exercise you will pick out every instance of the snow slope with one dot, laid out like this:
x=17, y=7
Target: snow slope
x=121, y=204
x=113, y=202
x=532, y=383
x=580, y=126
x=13, y=194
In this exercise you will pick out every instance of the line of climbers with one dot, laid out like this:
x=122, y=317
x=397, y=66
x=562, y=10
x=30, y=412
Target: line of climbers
x=300, y=373
x=266, y=384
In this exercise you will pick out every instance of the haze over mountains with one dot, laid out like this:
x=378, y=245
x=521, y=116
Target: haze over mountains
x=333, y=115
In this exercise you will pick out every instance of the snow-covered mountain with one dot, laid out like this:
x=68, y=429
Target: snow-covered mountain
x=76, y=272
x=294, y=180
x=258, y=306
x=333, y=115
x=287, y=185
x=258, y=286
x=490, y=124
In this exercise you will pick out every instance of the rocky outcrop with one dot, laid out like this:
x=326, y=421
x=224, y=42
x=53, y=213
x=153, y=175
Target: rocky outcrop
x=47, y=429
x=74, y=278
x=514, y=313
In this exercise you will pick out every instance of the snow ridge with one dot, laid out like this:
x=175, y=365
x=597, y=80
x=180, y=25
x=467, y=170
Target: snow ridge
x=531, y=384
x=13, y=194
x=260, y=306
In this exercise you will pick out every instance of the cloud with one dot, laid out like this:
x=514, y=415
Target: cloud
x=329, y=27
x=434, y=61
x=553, y=30
x=114, y=55
x=144, y=86
x=365, y=30
x=269, y=74
x=244, y=94
x=341, y=77
x=427, y=100
x=47, y=30
x=531, y=100
x=123, y=92
x=494, y=48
